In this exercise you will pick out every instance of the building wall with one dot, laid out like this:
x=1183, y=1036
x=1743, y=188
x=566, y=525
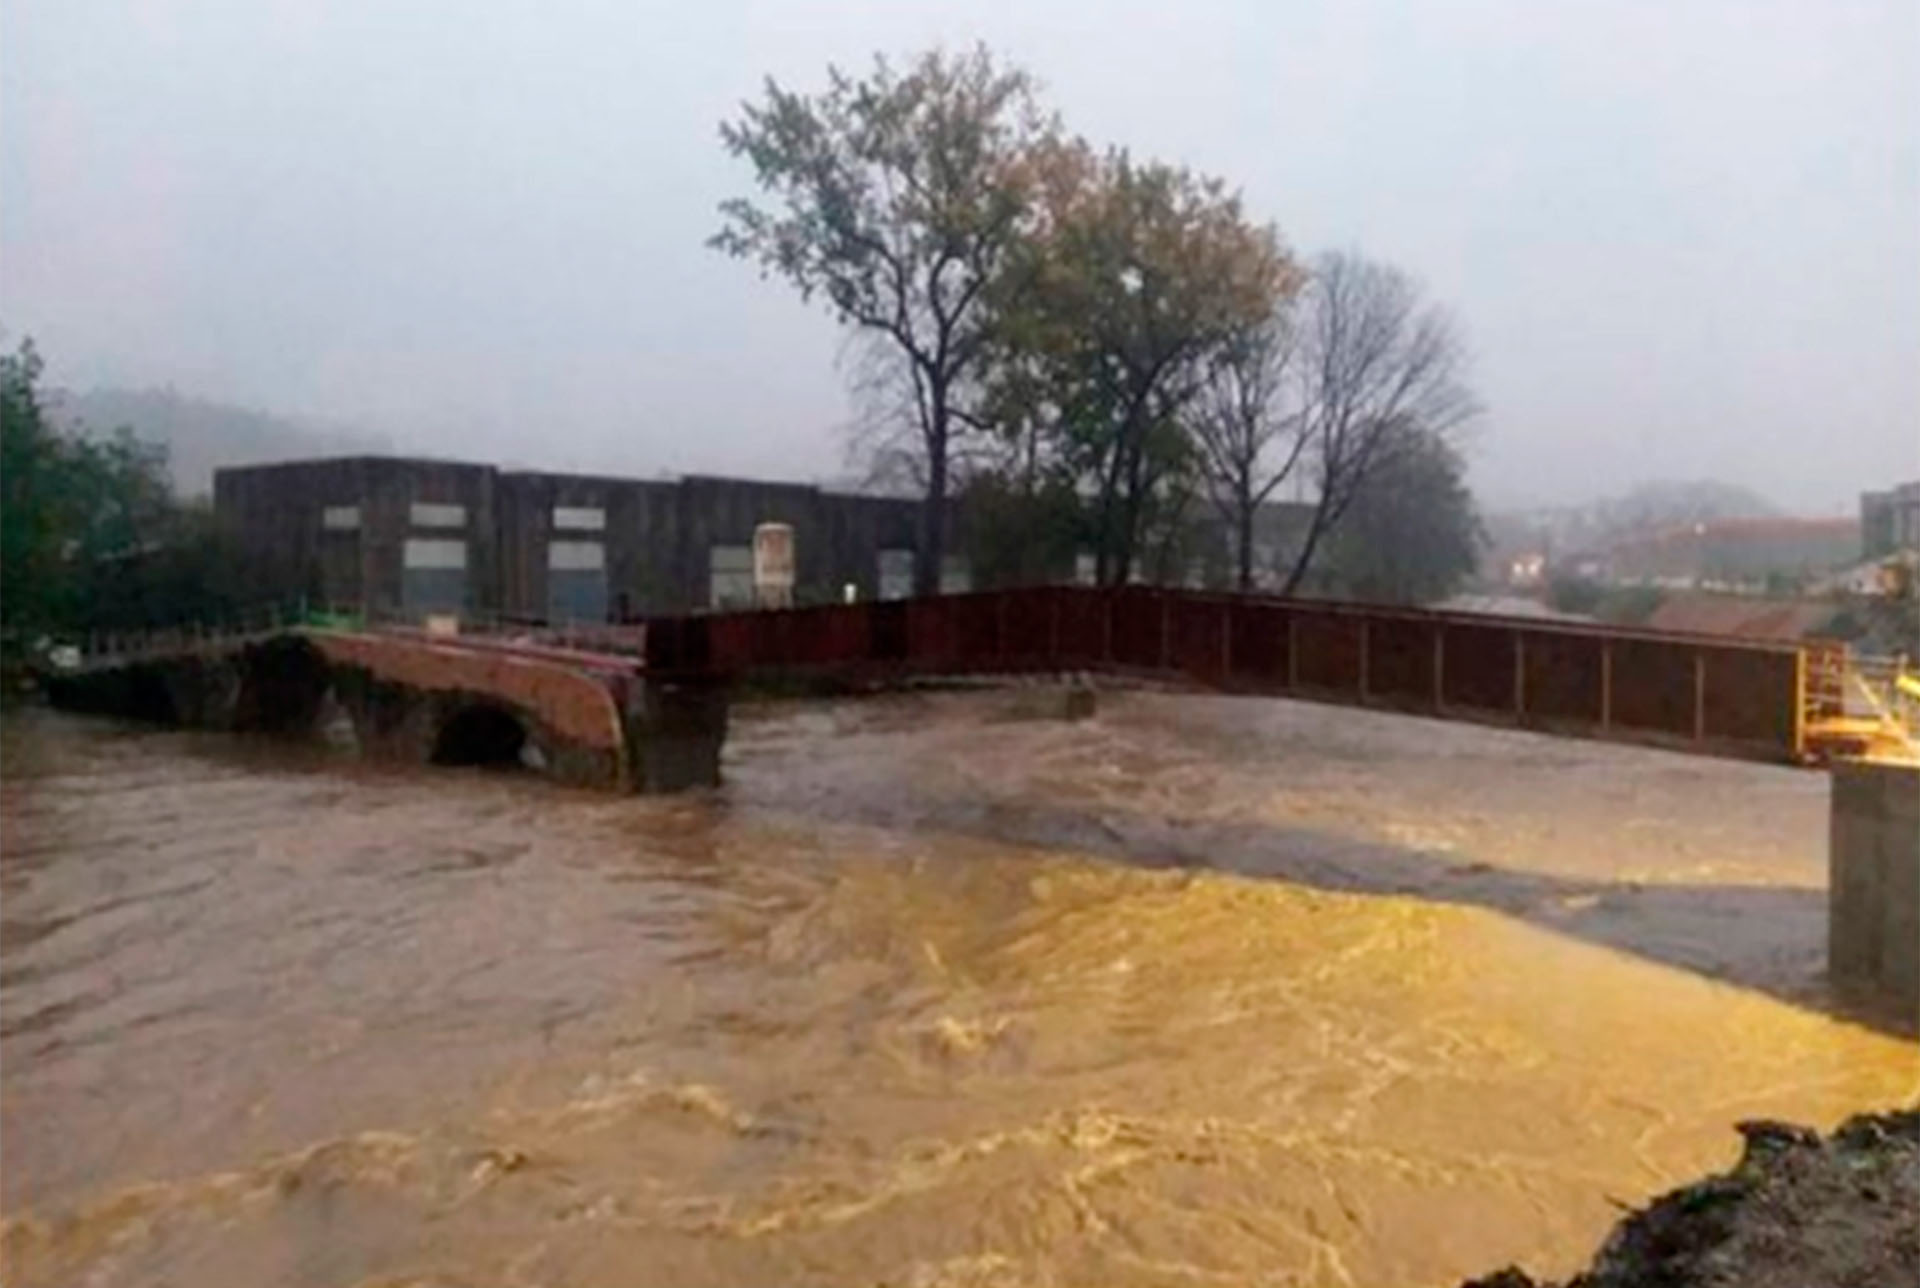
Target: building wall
x=389, y=521
x=637, y=537
x=277, y=509
x=657, y=537
x=1890, y=520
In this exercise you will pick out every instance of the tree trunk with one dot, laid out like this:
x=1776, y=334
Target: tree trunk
x=1104, y=551
x=1129, y=535
x=1315, y=530
x=933, y=511
x=1245, y=539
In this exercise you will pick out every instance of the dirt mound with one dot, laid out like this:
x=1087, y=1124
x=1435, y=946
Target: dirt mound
x=1795, y=1211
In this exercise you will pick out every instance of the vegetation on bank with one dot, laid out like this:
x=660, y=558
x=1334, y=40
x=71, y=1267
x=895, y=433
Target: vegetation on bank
x=1604, y=601
x=92, y=536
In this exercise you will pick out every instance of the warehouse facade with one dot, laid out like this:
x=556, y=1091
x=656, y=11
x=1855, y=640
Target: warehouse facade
x=405, y=537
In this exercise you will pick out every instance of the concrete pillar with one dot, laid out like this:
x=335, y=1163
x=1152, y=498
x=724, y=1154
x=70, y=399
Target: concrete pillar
x=1081, y=701
x=674, y=735
x=1873, y=882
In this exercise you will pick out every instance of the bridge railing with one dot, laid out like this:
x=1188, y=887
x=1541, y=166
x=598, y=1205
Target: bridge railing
x=1707, y=693
x=112, y=647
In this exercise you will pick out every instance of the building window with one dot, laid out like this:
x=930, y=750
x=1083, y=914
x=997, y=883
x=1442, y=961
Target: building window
x=576, y=556
x=579, y=518
x=1085, y=568
x=423, y=514
x=434, y=576
x=340, y=518
x=429, y=552
x=956, y=575
x=576, y=581
x=896, y=574
x=730, y=576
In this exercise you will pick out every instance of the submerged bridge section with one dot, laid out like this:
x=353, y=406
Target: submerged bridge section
x=1709, y=694
x=590, y=719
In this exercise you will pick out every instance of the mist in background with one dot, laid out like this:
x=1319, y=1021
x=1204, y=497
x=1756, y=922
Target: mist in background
x=1683, y=239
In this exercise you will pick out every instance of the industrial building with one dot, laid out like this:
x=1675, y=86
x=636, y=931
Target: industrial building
x=405, y=537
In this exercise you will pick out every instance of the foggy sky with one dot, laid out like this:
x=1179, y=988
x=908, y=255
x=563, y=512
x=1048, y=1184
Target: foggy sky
x=1683, y=236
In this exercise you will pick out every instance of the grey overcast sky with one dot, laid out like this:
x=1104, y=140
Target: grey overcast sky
x=1682, y=235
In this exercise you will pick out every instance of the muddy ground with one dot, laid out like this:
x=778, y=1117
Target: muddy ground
x=1796, y=1211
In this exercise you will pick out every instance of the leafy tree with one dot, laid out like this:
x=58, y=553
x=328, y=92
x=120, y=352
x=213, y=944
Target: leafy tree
x=1583, y=596
x=897, y=197
x=30, y=526
x=90, y=534
x=1020, y=534
x=1411, y=534
x=1138, y=271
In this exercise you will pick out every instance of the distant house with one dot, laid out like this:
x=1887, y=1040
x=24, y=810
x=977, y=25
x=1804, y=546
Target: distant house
x=1890, y=520
x=1735, y=554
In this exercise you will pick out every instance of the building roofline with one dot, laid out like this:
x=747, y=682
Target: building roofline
x=504, y=472
x=352, y=458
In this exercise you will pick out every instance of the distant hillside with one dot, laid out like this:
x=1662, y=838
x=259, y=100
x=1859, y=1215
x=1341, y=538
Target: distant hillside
x=1669, y=503
x=202, y=435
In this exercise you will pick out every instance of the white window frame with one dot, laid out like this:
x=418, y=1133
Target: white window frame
x=730, y=566
x=890, y=565
x=435, y=514
x=434, y=553
x=576, y=556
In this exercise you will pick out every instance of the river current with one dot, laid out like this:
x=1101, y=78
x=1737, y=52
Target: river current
x=934, y=991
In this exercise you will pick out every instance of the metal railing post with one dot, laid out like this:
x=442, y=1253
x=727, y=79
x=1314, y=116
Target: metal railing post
x=1519, y=676
x=1364, y=638
x=1606, y=685
x=1699, y=695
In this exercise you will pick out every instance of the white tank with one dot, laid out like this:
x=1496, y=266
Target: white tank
x=773, y=565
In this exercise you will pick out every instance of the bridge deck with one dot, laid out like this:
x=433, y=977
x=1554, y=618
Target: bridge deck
x=1709, y=694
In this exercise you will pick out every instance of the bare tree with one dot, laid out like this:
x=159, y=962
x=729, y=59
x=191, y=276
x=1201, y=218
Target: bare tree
x=1377, y=366
x=1248, y=429
x=885, y=438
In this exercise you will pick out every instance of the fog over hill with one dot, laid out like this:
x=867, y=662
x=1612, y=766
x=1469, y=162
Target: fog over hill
x=201, y=435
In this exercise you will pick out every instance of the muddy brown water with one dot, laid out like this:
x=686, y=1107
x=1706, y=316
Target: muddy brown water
x=1200, y=991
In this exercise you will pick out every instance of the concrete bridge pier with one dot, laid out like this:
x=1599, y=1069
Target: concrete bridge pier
x=1873, y=899
x=674, y=735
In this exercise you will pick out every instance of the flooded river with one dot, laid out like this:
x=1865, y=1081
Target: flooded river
x=933, y=992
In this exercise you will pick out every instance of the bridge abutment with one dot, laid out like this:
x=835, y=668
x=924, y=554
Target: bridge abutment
x=1873, y=905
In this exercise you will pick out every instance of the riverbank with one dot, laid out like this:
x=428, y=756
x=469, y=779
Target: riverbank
x=1842, y=1212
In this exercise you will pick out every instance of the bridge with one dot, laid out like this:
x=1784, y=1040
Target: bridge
x=648, y=713
x=645, y=708
x=1770, y=700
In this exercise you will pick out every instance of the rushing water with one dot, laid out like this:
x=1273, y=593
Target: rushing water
x=1202, y=991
